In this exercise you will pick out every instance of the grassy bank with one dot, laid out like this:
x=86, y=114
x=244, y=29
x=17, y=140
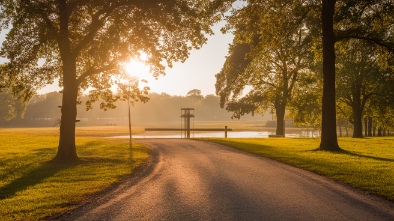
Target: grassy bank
x=31, y=187
x=367, y=164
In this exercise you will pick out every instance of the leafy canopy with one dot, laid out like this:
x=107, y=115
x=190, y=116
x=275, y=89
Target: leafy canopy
x=271, y=47
x=98, y=36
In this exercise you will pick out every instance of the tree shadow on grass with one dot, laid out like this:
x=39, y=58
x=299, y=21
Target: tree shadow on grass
x=342, y=151
x=33, y=177
x=49, y=168
x=366, y=156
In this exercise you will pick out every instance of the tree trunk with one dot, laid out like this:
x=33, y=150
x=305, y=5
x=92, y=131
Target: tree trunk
x=67, y=149
x=347, y=128
x=340, y=130
x=365, y=126
x=357, y=109
x=280, y=109
x=329, y=140
x=379, y=131
x=357, y=121
x=369, y=126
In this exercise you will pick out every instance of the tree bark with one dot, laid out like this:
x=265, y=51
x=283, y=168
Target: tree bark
x=329, y=140
x=357, y=120
x=67, y=149
x=365, y=126
x=357, y=109
x=340, y=130
x=369, y=126
x=280, y=109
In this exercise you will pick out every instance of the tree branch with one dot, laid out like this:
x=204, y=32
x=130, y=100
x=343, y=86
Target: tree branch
x=51, y=27
x=97, y=24
x=389, y=45
x=93, y=71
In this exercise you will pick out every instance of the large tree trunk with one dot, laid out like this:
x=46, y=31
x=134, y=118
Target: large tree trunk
x=67, y=149
x=280, y=119
x=329, y=140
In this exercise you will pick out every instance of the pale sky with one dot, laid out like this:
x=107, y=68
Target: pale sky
x=197, y=72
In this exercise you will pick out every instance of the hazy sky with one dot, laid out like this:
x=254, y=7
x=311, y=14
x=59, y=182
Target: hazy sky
x=197, y=72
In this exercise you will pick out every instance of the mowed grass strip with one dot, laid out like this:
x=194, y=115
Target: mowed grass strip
x=32, y=187
x=367, y=164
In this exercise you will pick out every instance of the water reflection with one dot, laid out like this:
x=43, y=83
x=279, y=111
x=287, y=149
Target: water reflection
x=213, y=134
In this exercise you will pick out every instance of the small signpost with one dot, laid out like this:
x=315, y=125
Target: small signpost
x=186, y=114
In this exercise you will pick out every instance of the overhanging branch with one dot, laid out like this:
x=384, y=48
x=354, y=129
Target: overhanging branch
x=389, y=45
x=93, y=71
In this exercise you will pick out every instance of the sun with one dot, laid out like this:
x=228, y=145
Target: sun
x=137, y=69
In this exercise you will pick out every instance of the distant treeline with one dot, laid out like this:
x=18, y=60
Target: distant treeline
x=160, y=110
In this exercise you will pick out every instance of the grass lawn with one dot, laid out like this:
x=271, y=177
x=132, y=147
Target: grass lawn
x=32, y=187
x=367, y=164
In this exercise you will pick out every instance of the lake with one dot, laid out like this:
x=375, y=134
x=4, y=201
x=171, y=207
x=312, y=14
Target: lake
x=220, y=134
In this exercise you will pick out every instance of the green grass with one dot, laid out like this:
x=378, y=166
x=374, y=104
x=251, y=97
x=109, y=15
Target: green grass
x=367, y=164
x=32, y=187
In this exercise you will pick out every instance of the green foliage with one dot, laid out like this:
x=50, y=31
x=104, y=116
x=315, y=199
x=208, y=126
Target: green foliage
x=367, y=164
x=84, y=44
x=305, y=106
x=10, y=107
x=32, y=187
x=368, y=20
x=358, y=77
x=271, y=48
x=98, y=36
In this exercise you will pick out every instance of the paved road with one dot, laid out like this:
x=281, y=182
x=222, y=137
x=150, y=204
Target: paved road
x=196, y=180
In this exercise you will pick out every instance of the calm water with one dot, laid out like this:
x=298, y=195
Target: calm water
x=230, y=134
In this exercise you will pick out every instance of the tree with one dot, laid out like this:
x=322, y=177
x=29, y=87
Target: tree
x=358, y=78
x=366, y=20
x=195, y=95
x=271, y=48
x=329, y=140
x=84, y=43
x=11, y=107
x=45, y=106
x=381, y=108
x=305, y=107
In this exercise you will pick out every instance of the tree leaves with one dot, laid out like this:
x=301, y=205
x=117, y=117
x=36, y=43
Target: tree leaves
x=99, y=35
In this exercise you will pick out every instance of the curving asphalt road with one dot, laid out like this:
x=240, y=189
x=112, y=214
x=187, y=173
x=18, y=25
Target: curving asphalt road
x=197, y=180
